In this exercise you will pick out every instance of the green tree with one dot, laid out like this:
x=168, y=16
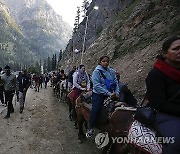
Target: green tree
x=60, y=57
x=77, y=18
x=45, y=66
x=85, y=5
x=49, y=64
x=33, y=69
x=38, y=67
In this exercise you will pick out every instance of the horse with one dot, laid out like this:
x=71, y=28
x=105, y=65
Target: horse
x=83, y=112
x=71, y=97
x=55, y=84
x=120, y=122
x=62, y=90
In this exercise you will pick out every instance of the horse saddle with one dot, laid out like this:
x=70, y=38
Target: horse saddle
x=88, y=105
x=87, y=97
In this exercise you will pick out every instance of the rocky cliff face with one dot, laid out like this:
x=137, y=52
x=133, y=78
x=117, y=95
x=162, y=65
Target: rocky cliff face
x=11, y=36
x=97, y=21
x=40, y=30
x=40, y=23
x=132, y=38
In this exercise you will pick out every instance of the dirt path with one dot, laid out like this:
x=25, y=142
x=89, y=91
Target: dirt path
x=43, y=128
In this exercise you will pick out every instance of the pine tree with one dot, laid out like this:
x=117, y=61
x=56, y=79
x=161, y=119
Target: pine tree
x=38, y=68
x=45, y=66
x=60, y=57
x=85, y=6
x=52, y=62
x=77, y=18
x=49, y=68
x=55, y=62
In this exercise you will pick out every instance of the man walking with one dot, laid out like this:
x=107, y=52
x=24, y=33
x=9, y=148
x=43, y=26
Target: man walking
x=70, y=78
x=23, y=85
x=46, y=80
x=10, y=82
x=1, y=88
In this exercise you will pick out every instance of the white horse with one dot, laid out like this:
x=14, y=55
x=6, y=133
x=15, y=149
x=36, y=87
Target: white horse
x=63, y=88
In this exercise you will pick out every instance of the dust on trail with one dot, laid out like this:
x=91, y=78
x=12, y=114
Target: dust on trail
x=42, y=128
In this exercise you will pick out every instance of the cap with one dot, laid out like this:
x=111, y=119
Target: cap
x=7, y=67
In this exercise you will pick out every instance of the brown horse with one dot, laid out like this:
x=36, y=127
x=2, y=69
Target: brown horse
x=72, y=112
x=120, y=122
x=117, y=126
x=71, y=97
x=83, y=112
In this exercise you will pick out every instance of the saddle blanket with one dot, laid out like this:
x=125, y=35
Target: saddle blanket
x=144, y=138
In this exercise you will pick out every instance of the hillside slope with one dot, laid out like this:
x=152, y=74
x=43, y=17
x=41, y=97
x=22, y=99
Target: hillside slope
x=132, y=39
x=34, y=28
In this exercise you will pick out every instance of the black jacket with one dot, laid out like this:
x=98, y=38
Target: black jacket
x=70, y=76
x=23, y=82
x=161, y=88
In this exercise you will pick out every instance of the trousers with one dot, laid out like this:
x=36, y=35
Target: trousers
x=97, y=102
x=169, y=126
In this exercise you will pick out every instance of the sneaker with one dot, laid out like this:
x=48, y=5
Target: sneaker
x=89, y=133
x=7, y=116
x=21, y=110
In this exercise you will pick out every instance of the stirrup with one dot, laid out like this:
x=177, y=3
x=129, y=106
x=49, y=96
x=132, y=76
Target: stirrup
x=89, y=133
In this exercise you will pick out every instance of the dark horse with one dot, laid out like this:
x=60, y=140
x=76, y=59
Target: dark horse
x=117, y=126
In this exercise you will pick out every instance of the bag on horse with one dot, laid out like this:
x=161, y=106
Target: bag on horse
x=145, y=115
x=74, y=93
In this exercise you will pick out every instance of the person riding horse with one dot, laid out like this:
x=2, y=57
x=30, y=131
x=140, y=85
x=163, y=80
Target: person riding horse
x=81, y=83
x=163, y=91
x=104, y=84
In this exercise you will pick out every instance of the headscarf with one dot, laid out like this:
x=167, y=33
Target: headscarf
x=82, y=76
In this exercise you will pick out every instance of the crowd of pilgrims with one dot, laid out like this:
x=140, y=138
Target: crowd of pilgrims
x=163, y=89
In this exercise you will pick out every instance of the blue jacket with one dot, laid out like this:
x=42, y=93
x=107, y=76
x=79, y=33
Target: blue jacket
x=99, y=86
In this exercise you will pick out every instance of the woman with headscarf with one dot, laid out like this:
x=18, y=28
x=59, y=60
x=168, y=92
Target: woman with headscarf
x=81, y=82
